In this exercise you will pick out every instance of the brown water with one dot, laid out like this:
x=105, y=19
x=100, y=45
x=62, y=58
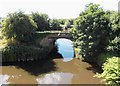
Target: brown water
x=28, y=72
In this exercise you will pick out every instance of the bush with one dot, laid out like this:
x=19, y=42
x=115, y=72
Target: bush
x=22, y=52
x=111, y=71
x=18, y=26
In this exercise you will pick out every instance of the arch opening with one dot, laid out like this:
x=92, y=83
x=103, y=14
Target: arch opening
x=63, y=48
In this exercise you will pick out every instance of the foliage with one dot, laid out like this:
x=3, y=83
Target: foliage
x=67, y=24
x=77, y=55
x=55, y=24
x=71, y=21
x=75, y=35
x=23, y=52
x=111, y=71
x=114, y=45
x=62, y=21
x=0, y=22
x=42, y=21
x=18, y=26
x=92, y=31
x=114, y=42
x=102, y=58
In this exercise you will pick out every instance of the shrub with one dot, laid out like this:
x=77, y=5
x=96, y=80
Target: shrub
x=111, y=72
x=22, y=52
x=18, y=26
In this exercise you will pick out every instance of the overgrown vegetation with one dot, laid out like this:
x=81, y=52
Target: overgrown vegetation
x=114, y=40
x=95, y=32
x=97, y=35
x=55, y=25
x=111, y=71
x=19, y=27
x=23, y=53
x=20, y=38
x=92, y=31
x=42, y=21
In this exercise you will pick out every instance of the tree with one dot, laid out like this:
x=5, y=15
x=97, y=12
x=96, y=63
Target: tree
x=67, y=24
x=114, y=41
x=42, y=21
x=93, y=31
x=62, y=21
x=55, y=24
x=18, y=26
x=0, y=22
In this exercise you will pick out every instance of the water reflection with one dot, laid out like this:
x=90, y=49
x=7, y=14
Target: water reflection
x=56, y=78
x=4, y=79
x=33, y=67
x=67, y=59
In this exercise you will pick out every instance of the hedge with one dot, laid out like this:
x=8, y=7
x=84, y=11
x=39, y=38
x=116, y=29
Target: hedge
x=24, y=53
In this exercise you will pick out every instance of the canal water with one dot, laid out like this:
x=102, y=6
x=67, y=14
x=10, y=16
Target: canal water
x=54, y=71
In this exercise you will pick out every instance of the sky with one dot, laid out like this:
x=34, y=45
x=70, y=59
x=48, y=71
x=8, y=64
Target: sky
x=54, y=8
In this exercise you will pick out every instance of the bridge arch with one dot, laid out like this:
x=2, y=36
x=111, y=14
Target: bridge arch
x=49, y=40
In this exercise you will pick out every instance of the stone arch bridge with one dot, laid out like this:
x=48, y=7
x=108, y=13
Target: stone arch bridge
x=49, y=39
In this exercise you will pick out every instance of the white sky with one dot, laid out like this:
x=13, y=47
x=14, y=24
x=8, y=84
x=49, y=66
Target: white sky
x=54, y=8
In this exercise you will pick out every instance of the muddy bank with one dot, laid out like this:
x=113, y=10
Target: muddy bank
x=28, y=72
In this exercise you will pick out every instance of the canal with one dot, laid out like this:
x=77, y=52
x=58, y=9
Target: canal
x=56, y=70
x=38, y=72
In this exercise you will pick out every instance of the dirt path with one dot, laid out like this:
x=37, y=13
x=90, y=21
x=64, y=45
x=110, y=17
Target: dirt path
x=24, y=73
